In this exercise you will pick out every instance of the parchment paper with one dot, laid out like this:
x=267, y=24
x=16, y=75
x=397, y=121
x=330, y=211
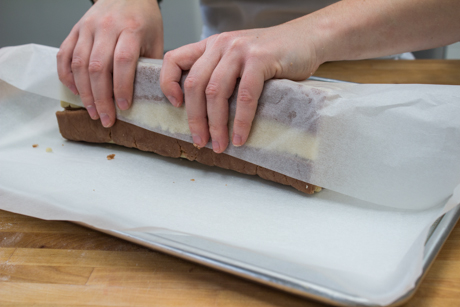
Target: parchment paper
x=394, y=145
x=335, y=240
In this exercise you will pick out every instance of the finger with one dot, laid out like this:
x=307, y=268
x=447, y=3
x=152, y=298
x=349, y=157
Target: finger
x=219, y=89
x=174, y=63
x=124, y=69
x=64, y=60
x=250, y=88
x=100, y=73
x=80, y=62
x=195, y=98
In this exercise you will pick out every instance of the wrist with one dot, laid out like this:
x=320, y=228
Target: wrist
x=313, y=39
x=325, y=38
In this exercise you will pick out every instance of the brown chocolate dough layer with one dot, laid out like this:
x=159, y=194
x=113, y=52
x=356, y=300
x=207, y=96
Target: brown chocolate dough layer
x=77, y=125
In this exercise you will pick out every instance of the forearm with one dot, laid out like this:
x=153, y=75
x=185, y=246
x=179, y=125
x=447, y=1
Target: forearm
x=359, y=29
x=347, y=30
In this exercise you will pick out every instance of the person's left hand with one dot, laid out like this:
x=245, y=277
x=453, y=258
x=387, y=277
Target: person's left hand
x=217, y=62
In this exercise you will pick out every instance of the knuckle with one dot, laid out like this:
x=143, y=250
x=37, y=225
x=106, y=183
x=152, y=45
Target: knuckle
x=190, y=82
x=88, y=21
x=122, y=88
x=77, y=63
x=212, y=90
x=86, y=97
x=241, y=124
x=196, y=120
x=214, y=36
x=66, y=79
x=60, y=55
x=95, y=67
x=187, y=58
x=216, y=129
x=133, y=24
x=223, y=37
x=63, y=78
x=213, y=39
x=124, y=57
x=174, y=55
x=229, y=42
x=107, y=22
x=168, y=56
x=245, y=97
x=237, y=44
x=100, y=102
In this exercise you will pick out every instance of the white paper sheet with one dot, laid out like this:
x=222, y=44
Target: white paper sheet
x=394, y=145
x=332, y=239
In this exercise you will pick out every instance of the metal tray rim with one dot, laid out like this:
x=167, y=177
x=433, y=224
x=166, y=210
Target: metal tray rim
x=442, y=228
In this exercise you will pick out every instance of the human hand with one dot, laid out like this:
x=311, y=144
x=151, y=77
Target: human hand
x=99, y=57
x=214, y=66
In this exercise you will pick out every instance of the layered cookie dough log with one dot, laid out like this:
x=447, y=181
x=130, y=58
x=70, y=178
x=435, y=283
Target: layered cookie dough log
x=77, y=125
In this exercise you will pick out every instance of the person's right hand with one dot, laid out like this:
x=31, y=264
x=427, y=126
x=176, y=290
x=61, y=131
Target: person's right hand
x=98, y=59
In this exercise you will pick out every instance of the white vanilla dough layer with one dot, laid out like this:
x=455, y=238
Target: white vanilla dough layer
x=265, y=134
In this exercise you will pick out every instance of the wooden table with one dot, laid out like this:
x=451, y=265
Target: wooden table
x=52, y=263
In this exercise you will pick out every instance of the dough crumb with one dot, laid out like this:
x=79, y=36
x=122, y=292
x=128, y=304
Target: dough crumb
x=192, y=179
x=48, y=149
x=111, y=157
x=225, y=185
x=35, y=145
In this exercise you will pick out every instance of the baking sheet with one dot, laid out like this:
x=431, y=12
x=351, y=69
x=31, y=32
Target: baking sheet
x=176, y=246
x=332, y=240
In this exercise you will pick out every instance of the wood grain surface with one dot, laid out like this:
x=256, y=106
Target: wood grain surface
x=54, y=263
x=390, y=71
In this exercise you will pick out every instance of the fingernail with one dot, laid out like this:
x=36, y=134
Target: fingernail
x=105, y=119
x=122, y=104
x=215, y=146
x=73, y=89
x=173, y=101
x=196, y=140
x=92, y=112
x=237, y=140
